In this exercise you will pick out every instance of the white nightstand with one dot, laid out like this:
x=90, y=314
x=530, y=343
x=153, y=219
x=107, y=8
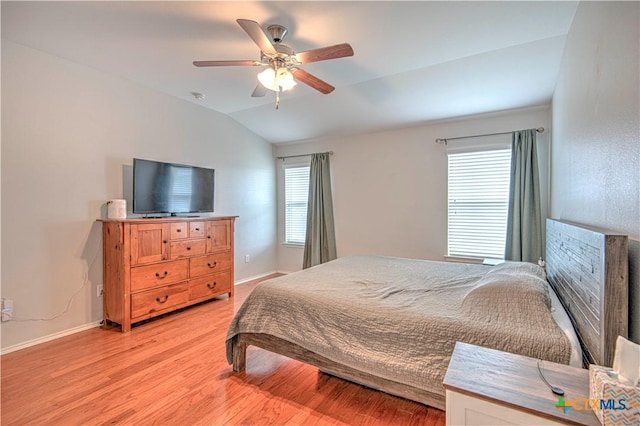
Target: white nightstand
x=489, y=387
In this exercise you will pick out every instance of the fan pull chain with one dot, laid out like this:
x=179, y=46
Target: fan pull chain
x=277, y=99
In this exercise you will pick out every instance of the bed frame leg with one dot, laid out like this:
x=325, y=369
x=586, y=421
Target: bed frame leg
x=239, y=355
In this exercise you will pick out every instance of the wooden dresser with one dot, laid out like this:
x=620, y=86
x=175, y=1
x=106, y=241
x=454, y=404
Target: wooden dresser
x=155, y=266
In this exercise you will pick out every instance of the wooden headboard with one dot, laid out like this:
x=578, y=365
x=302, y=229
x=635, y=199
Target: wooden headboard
x=588, y=269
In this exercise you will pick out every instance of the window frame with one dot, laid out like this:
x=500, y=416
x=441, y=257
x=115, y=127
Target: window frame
x=285, y=167
x=459, y=255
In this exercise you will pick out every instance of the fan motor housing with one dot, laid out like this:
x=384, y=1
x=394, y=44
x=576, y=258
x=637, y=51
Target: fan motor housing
x=284, y=54
x=283, y=50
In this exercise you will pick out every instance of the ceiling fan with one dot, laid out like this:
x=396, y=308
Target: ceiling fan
x=283, y=64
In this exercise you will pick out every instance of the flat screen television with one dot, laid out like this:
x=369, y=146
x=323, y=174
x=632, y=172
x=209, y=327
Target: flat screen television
x=171, y=188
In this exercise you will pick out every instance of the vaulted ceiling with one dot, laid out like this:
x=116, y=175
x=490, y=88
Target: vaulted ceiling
x=414, y=62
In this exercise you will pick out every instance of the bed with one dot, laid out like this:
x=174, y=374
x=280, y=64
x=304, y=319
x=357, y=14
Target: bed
x=391, y=323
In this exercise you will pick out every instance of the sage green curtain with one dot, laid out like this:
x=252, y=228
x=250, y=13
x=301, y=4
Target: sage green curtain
x=524, y=221
x=320, y=242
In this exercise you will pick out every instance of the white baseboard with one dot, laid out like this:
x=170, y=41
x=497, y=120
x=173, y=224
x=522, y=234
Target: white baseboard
x=50, y=337
x=255, y=277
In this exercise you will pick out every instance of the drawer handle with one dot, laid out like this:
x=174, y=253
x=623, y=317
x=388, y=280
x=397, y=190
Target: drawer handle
x=158, y=276
x=164, y=241
x=197, y=229
x=212, y=266
x=188, y=248
x=211, y=286
x=166, y=297
x=178, y=230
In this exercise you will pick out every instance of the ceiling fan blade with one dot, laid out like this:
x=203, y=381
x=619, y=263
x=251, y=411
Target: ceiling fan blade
x=257, y=35
x=259, y=91
x=226, y=63
x=312, y=81
x=324, y=53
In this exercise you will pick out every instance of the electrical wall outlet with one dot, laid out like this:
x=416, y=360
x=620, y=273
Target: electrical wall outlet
x=247, y=258
x=7, y=309
x=99, y=290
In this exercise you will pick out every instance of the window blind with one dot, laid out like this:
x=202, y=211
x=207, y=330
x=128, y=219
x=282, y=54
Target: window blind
x=296, y=189
x=181, y=189
x=478, y=198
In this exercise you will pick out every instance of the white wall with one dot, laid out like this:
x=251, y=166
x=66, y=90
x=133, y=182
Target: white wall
x=596, y=139
x=390, y=188
x=68, y=132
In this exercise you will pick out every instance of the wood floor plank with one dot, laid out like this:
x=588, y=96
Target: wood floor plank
x=172, y=370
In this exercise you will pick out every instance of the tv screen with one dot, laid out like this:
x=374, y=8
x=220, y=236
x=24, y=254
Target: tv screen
x=171, y=188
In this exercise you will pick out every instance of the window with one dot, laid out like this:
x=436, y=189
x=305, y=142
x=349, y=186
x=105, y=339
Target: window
x=296, y=192
x=180, y=187
x=478, y=202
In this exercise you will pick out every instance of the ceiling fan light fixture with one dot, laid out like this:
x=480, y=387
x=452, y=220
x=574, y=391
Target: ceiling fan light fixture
x=284, y=79
x=277, y=80
x=268, y=78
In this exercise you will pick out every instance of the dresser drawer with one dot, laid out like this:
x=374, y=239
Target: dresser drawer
x=159, y=300
x=210, y=285
x=204, y=265
x=197, y=230
x=179, y=231
x=148, y=276
x=187, y=248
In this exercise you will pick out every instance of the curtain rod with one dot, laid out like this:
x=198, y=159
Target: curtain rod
x=444, y=140
x=304, y=155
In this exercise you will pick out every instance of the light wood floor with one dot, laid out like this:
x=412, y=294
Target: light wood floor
x=173, y=371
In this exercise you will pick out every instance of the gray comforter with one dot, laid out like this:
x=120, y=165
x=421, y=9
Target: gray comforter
x=399, y=319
